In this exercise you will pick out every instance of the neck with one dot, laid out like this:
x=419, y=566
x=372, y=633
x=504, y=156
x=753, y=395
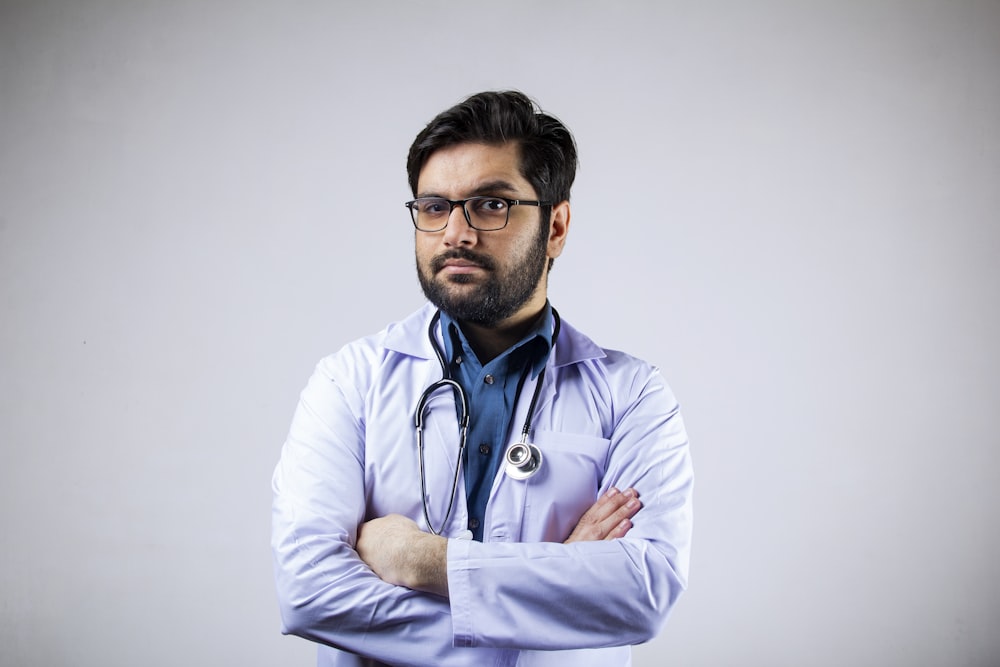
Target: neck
x=490, y=342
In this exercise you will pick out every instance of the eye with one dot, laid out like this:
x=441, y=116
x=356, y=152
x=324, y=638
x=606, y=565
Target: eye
x=432, y=206
x=490, y=205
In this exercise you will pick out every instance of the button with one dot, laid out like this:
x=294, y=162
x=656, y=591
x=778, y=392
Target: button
x=473, y=523
x=488, y=379
x=484, y=449
x=458, y=359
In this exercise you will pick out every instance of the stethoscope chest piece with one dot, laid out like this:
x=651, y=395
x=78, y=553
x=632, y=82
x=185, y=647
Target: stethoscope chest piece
x=522, y=460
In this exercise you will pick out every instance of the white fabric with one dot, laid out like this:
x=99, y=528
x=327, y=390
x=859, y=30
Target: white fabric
x=521, y=597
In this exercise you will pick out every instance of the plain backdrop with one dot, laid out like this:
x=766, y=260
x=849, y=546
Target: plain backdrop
x=792, y=208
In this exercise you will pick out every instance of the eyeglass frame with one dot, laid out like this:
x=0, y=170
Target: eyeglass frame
x=452, y=203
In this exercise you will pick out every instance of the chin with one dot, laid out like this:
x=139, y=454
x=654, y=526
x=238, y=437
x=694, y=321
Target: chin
x=460, y=279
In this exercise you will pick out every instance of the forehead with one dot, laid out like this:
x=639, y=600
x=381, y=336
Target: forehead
x=464, y=169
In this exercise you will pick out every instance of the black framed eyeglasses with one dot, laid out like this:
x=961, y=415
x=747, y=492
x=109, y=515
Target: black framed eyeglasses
x=486, y=214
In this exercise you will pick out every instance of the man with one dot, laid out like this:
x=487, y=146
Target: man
x=530, y=546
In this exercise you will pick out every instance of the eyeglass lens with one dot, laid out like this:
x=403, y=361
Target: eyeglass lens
x=484, y=213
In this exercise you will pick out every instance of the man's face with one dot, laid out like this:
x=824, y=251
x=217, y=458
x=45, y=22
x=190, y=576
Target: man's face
x=482, y=277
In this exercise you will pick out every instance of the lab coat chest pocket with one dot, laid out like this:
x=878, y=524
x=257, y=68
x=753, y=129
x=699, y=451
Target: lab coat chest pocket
x=566, y=485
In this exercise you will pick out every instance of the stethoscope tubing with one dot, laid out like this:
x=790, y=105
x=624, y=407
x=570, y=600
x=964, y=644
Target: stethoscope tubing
x=463, y=400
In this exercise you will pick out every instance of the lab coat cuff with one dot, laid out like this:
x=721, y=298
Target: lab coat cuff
x=459, y=592
x=460, y=573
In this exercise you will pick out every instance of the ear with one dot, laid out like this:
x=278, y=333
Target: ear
x=558, y=229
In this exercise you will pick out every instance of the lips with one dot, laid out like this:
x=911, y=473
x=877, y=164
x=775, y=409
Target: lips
x=460, y=262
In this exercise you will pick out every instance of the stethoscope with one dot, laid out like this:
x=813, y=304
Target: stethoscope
x=521, y=460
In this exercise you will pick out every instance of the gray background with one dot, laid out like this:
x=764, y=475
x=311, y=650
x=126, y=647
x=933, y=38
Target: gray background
x=790, y=207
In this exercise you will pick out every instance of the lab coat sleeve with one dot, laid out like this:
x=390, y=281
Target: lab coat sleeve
x=554, y=596
x=326, y=592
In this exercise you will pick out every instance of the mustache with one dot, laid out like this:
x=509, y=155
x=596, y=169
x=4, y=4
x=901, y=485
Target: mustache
x=482, y=261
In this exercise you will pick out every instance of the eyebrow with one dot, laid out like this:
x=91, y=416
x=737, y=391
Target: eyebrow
x=488, y=188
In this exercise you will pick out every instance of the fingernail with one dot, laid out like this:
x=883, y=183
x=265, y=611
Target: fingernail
x=632, y=504
x=612, y=492
x=630, y=493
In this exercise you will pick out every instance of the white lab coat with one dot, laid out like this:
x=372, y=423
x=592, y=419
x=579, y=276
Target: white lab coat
x=521, y=597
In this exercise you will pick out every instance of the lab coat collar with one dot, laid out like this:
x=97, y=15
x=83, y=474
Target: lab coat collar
x=410, y=337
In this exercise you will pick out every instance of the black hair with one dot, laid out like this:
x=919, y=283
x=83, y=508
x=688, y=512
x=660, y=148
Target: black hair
x=547, y=151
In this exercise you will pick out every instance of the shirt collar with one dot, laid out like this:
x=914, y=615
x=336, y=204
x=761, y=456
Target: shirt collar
x=409, y=336
x=536, y=344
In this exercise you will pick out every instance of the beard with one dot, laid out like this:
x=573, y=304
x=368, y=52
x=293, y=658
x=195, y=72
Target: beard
x=500, y=295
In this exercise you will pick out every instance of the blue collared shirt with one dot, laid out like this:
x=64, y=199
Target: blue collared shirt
x=492, y=392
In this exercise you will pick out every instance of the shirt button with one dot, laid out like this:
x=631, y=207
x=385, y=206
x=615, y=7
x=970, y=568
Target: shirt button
x=488, y=379
x=484, y=449
x=473, y=523
x=458, y=359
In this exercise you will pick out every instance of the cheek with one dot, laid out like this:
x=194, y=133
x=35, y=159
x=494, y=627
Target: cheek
x=424, y=251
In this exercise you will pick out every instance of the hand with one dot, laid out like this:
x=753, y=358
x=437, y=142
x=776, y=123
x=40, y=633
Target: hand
x=609, y=518
x=400, y=553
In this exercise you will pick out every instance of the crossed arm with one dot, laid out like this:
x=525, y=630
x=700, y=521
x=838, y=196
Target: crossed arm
x=338, y=576
x=400, y=553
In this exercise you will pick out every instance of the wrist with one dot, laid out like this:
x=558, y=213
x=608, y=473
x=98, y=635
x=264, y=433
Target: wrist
x=428, y=564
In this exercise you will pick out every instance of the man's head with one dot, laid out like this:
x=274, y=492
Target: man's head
x=495, y=145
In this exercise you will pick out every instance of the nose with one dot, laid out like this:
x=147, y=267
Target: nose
x=459, y=232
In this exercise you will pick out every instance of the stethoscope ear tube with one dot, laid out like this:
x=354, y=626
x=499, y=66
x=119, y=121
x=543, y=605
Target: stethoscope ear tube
x=463, y=432
x=418, y=421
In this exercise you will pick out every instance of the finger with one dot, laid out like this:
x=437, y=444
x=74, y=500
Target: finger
x=619, y=522
x=604, y=519
x=619, y=530
x=608, y=504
